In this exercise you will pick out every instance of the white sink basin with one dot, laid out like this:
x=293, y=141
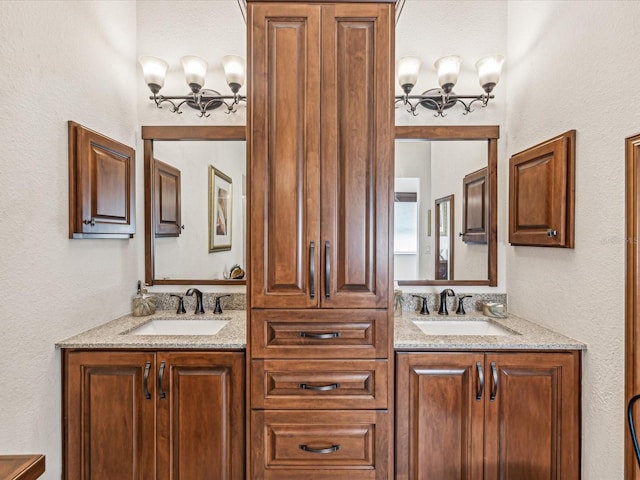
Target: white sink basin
x=179, y=327
x=461, y=327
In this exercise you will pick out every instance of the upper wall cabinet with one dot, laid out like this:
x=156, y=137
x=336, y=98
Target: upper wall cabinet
x=101, y=186
x=475, y=207
x=541, y=194
x=320, y=203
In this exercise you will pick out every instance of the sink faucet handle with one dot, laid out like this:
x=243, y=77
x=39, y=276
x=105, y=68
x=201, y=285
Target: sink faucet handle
x=218, y=307
x=424, y=310
x=180, y=303
x=460, y=310
x=199, y=308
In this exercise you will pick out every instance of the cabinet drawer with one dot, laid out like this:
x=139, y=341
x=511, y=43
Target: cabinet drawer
x=322, y=384
x=319, y=445
x=342, y=333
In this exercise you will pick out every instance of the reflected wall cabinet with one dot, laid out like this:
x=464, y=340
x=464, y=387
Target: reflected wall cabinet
x=167, y=200
x=541, y=193
x=321, y=135
x=153, y=415
x=101, y=186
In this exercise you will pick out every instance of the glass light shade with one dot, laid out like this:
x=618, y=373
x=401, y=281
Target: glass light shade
x=234, y=68
x=448, y=69
x=489, y=70
x=408, y=68
x=154, y=70
x=195, y=69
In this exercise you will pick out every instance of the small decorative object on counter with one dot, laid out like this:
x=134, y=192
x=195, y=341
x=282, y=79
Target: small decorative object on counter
x=398, y=301
x=236, y=273
x=493, y=309
x=143, y=304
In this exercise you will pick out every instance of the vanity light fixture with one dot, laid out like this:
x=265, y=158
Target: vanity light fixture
x=195, y=70
x=448, y=69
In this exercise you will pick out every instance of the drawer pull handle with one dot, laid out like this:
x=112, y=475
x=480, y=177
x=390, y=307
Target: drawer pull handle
x=321, y=388
x=480, y=381
x=312, y=269
x=327, y=270
x=145, y=381
x=331, y=449
x=494, y=389
x=320, y=336
x=163, y=394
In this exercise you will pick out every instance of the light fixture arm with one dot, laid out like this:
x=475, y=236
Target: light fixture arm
x=203, y=101
x=435, y=99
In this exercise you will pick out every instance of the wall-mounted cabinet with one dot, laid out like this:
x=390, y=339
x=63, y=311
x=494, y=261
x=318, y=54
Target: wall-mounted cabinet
x=166, y=202
x=475, y=207
x=542, y=194
x=101, y=186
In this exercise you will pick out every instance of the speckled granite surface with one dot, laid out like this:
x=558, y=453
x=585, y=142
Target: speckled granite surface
x=526, y=336
x=113, y=334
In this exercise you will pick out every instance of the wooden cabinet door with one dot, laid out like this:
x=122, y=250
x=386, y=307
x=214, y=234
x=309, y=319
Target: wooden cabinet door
x=439, y=416
x=109, y=405
x=166, y=202
x=284, y=154
x=541, y=194
x=101, y=185
x=475, y=207
x=532, y=416
x=200, y=415
x=357, y=153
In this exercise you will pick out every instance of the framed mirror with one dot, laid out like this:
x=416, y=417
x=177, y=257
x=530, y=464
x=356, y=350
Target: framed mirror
x=195, y=204
x=433, y=164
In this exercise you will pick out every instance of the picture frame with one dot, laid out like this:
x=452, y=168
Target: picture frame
x=220, y=211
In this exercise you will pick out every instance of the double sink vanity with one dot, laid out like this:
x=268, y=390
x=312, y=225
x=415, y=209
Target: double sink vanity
x=169, y=390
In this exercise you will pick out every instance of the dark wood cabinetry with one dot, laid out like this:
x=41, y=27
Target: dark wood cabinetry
x=153, y=415
x=475, y=207
x=167, y=200
x=320, y=154
x=488, y=416
x=101, y=186
x=542, y=194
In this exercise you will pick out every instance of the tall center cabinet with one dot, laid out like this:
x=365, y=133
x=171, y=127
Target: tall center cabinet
x=320, y=156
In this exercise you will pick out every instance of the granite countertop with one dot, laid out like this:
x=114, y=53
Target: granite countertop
x=407, y=336
x=113, y=334
x=526, y=335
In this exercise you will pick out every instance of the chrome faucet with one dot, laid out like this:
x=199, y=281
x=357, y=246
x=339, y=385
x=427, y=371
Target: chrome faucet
x=199, y=307
x=447, y=292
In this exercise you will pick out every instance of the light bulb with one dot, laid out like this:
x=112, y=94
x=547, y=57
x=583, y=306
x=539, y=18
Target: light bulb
x=195, y=70
x=489, y=69
x=154, y=70
x=234, y=71
x=448, y=69
x=408, y=68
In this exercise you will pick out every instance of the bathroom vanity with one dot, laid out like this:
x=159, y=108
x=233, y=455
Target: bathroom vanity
x=467, y=406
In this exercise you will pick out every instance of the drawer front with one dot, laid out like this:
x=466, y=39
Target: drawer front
x=322, y=384
x=319, y=445
x=329, y=334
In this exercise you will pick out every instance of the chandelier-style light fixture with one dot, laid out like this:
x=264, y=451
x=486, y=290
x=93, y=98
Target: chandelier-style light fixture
x=195, y=70
x=448, y=69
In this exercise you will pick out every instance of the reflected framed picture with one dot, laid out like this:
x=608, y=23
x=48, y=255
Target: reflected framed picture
x=220, y=200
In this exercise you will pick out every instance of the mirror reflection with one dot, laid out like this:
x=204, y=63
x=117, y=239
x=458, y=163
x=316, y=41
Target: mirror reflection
x=436, y=238
x=206, y=201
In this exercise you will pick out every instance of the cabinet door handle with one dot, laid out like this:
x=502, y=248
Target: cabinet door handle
x=331, y=449
x=320, y=336
x=91, y=222
x=312, y=269
x=145, y=381
x=161, y=380
x=480, y=381
x=327, y=269
x=323, y=388
x=494, y=388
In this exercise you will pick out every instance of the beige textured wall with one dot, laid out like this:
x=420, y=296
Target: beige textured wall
x=571, y=65
x=60, y=61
